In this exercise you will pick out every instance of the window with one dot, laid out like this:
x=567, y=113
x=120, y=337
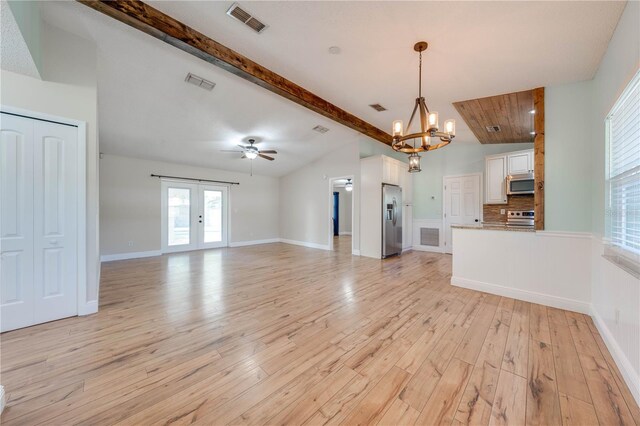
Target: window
x=623, y=175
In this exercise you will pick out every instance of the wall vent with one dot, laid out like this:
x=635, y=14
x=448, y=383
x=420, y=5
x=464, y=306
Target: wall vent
x=430, y=237
x=235, y=11
x=320, y=129
x=378, y=107
x=200, y=82
x=493, y=129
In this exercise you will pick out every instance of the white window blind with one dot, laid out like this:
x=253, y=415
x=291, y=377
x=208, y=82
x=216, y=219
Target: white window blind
x=623, y=172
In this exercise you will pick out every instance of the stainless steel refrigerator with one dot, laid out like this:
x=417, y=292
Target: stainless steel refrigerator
x=391, y=220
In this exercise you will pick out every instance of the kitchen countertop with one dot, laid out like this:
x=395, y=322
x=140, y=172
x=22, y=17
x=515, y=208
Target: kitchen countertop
x=496, y=227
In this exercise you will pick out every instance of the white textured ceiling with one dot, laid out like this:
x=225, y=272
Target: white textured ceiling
x=476, y=49
x=14, y=52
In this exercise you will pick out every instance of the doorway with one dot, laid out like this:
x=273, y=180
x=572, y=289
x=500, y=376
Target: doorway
x=341, y=214
x=462, y=204
x=194, y=216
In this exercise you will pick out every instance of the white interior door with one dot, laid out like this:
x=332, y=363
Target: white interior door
x=38, y=221
x=194, y=216
x=462, y=204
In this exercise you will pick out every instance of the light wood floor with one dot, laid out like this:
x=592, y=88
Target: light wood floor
x=280, y=334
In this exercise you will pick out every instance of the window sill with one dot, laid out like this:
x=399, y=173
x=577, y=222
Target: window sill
x=626, y=265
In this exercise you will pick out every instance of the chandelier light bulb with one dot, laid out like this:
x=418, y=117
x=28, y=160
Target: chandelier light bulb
x=433, y=121
x=251, y=155
x=397, y=128
x=450, y=127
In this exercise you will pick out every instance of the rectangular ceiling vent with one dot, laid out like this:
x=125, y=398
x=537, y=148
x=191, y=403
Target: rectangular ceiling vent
x=235, y=11
x=200, y=82
x=378, y=107
x=492, y=129
x=320, y=129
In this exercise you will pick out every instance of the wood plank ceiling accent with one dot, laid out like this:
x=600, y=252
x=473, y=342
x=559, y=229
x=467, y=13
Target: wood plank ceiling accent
x=538, y=158
x=163, y=27
x=511, y=112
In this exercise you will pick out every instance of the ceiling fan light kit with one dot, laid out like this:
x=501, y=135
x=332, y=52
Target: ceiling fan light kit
x=405, y=141
x=348, y=186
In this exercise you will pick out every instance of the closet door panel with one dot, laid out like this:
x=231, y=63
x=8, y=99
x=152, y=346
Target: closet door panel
x=55, y=221
x=16, y=222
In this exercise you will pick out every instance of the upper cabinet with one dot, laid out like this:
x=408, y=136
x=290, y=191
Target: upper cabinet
x=498, y=167
x=520, y=162
x=496, y=172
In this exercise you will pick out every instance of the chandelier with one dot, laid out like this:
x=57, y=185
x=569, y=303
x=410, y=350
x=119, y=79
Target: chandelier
x=413, y=143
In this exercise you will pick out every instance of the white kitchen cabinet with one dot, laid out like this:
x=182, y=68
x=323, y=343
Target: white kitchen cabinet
x=498, y=167
x=390, y=171
x=496, y=172
x=520, y=162
x=375, y=171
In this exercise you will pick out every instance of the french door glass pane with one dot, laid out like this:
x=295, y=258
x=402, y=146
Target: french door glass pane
x=179, y=215
x=212, y=216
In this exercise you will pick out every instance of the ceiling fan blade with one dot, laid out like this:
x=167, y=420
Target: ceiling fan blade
x=266, y=157
x=268, y=151
x=243, y=156
x=242, y=147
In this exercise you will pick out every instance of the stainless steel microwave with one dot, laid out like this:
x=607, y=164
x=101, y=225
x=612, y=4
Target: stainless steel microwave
x=520, y=184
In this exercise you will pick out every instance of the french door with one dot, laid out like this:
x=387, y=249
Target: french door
x=194, y=216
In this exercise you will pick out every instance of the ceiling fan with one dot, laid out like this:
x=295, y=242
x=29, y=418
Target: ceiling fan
x=251, y=151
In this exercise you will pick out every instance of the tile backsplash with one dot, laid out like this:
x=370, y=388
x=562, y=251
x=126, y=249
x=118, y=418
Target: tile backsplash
x=491, y=212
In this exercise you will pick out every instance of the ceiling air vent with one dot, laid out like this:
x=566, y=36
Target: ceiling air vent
x=492, y=129
x=378, y=107
x=235, y=11
x=320, y=129
x=200, y=82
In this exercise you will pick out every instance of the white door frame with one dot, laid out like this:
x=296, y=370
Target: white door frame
x=330, y=215
x=83, y=307
x=444, y=202
x=194, y=237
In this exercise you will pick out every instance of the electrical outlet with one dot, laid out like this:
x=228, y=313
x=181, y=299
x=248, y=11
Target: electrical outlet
x=503, y=211
x=617, y=316
x=130, y=243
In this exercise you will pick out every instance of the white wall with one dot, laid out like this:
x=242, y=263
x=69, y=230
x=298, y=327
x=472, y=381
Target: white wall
x=305, y=197
x=567, y=158
x=74, y=100
x=539, y=267
x=612, y=288
x=130, y=207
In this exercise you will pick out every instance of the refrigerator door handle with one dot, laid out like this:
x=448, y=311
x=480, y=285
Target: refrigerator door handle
x=395, y=209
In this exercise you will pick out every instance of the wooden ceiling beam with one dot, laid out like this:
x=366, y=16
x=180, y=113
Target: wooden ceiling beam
x=163, y=27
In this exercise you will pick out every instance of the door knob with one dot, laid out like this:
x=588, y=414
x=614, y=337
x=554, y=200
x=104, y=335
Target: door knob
x=476, y=220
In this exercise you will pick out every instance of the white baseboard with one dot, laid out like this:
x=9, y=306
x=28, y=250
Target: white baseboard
x=624, y=365
x=433, y=249
x=133, y=255
x=344, y=233
x=355, y=252
x=527, y=296
x=305, y=244
x=254, y=242
x=88, y=308
x=2, y=398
